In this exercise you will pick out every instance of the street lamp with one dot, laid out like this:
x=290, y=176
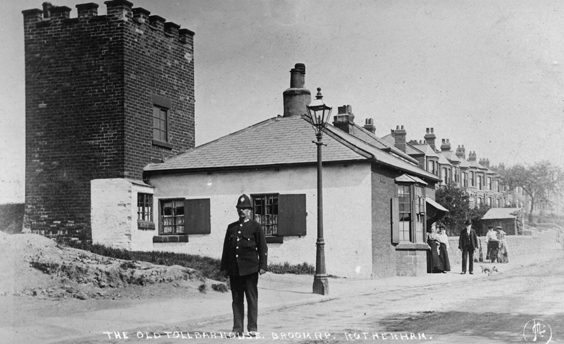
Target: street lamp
x=319, y=114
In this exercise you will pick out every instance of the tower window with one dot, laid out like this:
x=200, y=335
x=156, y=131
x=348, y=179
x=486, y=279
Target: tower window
x=160, y=123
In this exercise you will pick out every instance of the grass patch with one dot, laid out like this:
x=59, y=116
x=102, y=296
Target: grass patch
x=209, y=267
x=287, y=268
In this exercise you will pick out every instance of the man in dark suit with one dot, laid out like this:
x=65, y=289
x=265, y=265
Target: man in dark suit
x=467, y=243
x=244, y=257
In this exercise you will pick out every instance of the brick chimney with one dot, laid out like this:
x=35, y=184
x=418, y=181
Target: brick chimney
x=472, y=156
x=461, y=152
x=344, y=118
x=445, y=146
x=485, y=162
x=430, y=137
x=296, y=98
x=369, y=125
x=399, y=137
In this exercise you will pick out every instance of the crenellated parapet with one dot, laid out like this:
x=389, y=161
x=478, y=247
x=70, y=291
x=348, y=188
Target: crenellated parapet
x=117, y=11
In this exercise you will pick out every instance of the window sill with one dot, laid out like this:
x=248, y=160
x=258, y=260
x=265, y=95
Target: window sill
x=162, y=144
x=274, y=239
x=145, y=225
x=170, y=238
x=410, y=246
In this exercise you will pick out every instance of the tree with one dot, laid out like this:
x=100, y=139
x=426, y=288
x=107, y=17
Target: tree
x=457, y=201
x=538, y=181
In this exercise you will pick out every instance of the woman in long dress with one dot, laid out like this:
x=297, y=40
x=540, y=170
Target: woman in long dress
x=433, y=241
x=443, y=248
x=502, y=256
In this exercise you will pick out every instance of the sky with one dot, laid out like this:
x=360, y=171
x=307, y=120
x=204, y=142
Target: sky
x=484, y=73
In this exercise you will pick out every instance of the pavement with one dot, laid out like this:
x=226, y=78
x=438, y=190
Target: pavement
x=276, y=293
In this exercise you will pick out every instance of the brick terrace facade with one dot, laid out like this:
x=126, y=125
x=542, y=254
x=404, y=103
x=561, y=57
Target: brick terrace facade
x=91, y=84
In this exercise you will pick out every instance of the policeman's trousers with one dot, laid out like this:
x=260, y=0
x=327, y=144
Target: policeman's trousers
x=244, y=286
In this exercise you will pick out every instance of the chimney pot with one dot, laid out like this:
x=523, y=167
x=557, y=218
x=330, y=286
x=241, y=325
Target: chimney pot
x=296, y=98
x=297, y=76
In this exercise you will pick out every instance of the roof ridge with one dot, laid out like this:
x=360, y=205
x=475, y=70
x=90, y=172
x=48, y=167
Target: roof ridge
x=382, y=142
x=349, y=137
x=230, y=135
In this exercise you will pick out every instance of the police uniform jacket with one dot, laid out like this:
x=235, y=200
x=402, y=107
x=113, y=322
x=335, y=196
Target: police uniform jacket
x=244, y=249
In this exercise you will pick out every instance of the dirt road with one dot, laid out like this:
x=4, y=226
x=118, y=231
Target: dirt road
x=498, y=308
x=479, y=309
x=435, y=308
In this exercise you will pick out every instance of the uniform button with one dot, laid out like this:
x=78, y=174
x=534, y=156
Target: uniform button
x=237, y=247
x=236, y=256
x=239, y=232
x=238, y=239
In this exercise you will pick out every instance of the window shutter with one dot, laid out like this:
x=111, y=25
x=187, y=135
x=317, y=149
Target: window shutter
x=394, y=209
x=292, y=215
x=197, y=216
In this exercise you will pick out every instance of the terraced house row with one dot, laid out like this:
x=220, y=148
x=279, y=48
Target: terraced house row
x=483, y=184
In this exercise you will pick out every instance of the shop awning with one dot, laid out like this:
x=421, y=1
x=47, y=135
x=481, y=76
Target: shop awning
x=435, y=211
x=407, y=178
x=436, y=205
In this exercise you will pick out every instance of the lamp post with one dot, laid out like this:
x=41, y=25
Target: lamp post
x=319, y=114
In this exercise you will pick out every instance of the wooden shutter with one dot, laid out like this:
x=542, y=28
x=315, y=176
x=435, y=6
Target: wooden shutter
x=197, y=216
x=394, y=210
x=292, y=215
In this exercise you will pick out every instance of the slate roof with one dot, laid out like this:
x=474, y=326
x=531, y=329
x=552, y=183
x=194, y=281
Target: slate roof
x=283, y=141
x=426, y=149
x=443, y=160
x=501, y=213
x=276, y=141
x=464, y=163
x=475, y=164
x=451, y=156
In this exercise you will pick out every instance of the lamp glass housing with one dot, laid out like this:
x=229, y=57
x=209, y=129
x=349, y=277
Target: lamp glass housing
x=319, y=112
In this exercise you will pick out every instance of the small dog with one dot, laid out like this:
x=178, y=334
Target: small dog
x=488, y=270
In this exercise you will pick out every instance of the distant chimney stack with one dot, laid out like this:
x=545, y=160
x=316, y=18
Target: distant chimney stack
x=485, y=162
x=344, y=119
x=461, y=152
x=399, y=137
x=369, y=125
x=445, y=146
x=430, y=137
x=472, y=156
x=296, y=98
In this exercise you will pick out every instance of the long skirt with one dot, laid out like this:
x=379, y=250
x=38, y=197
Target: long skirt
x=436, y=264
x=493, y=247
x=502, y=255
x=443, y=256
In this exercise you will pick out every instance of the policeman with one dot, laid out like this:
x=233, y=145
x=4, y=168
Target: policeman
x=244, y=256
